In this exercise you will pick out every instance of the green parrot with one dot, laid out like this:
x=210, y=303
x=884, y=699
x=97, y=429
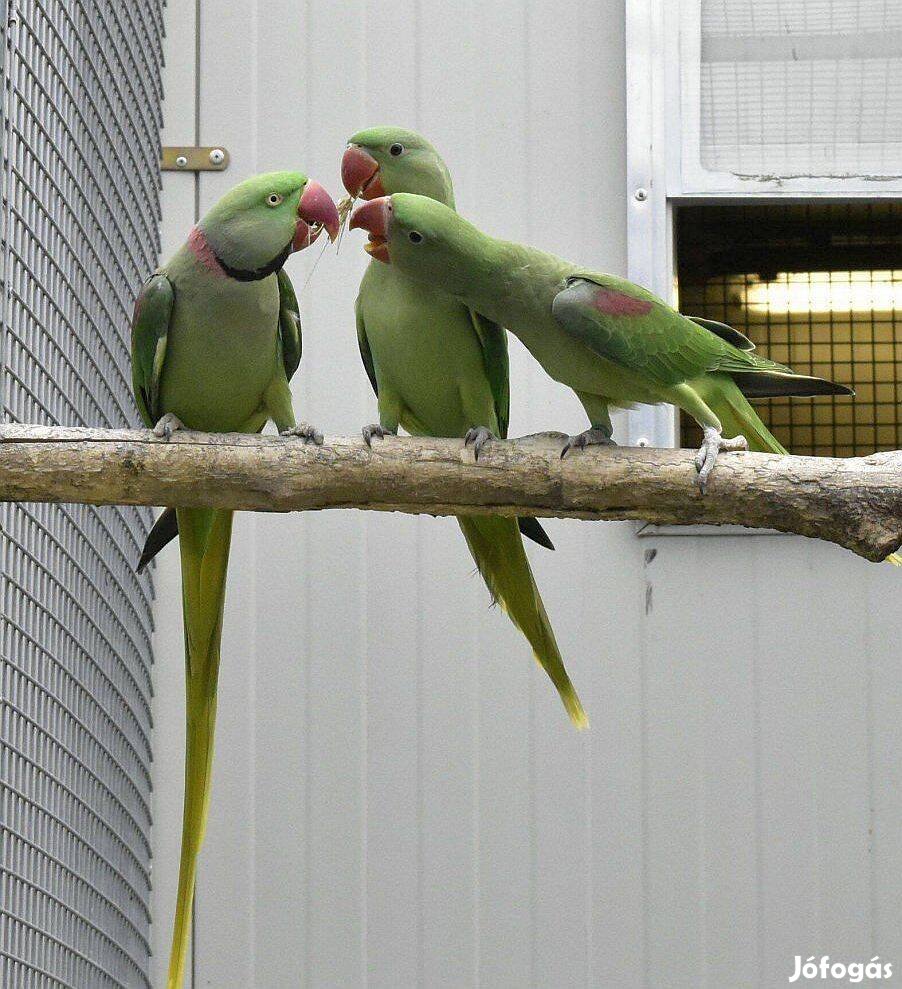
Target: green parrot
x=439, y=368
x=612, y=342
x=216, y=336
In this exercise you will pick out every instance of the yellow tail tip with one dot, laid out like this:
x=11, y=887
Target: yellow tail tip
x=575, y=711
x=895, y=559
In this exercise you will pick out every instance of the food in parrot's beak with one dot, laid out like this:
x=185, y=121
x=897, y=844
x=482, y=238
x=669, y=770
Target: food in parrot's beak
x=345, y=205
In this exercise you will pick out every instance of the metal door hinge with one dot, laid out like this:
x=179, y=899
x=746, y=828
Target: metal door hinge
x=191, y=159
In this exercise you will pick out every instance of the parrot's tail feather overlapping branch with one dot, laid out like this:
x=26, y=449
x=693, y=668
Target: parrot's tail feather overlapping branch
x=164, y=530
x=497, y=548
x=204, y=537
x=533, y=529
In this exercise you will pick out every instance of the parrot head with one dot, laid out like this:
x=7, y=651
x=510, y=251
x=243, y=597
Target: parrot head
x=383, y=160
x=421, y=236
x=256, y=225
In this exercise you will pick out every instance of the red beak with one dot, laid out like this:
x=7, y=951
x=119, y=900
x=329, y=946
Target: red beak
x=315, y=207
x=374, y=217
x=360, y=173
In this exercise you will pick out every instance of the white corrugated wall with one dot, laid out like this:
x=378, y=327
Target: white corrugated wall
x=399, y=800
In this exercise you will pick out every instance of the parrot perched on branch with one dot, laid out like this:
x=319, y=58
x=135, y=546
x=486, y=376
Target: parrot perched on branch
x=439, y=368
x=216, y=336
x=612, y=342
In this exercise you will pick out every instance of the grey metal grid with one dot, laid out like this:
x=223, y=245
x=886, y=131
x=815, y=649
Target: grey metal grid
x=814, y=285
x=801, y=87
x=82, y=97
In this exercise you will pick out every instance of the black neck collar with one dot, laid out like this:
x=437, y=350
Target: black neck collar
x=255, y=274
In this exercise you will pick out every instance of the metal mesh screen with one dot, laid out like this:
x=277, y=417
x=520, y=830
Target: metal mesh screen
x=817, y=286
x=801, y=87
x=82, y=97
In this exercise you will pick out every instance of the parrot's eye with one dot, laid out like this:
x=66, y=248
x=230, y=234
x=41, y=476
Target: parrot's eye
x=396, y=149
x=273, y=199
x=415, y=237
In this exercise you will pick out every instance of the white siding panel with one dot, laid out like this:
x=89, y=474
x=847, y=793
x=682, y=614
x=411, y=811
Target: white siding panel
x=789, y=725
x=885, y=769
x=280, y=778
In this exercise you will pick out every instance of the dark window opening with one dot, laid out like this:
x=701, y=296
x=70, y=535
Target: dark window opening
x=817, y=286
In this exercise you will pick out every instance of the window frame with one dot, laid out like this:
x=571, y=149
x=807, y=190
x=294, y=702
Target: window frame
x=663, y=76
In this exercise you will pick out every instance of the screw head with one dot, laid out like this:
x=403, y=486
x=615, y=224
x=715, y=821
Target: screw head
x=642, y=441
x=217, y=156
x=181, y=161
x=641, y=195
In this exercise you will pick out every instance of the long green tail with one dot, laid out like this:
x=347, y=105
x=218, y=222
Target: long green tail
x=204, y=540
x=497, y=548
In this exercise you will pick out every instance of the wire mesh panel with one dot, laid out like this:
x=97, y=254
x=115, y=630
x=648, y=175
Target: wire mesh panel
x=801, y=87
x=82, y=101
x=817, y=286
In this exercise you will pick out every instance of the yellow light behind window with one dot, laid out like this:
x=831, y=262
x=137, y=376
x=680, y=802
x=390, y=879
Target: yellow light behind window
x=827, y=291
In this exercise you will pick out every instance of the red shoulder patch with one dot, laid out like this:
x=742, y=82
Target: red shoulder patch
x=613, y=303
x=201, y=249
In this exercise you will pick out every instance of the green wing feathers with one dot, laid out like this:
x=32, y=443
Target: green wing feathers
x=150, y=330
x=493, y=340
x=729, y=333
x=629, y=326
x=496, y=359
x=497, y=548
x=366, y=354
x=289, y=325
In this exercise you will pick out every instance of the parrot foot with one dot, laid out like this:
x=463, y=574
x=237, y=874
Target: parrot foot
x=596, y=436
x=712, y=444
x=168, y=425
x=374, y=429
x=308, y=433
x=478, y=436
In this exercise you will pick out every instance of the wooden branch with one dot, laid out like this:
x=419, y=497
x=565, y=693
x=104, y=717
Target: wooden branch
x=856, y=503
